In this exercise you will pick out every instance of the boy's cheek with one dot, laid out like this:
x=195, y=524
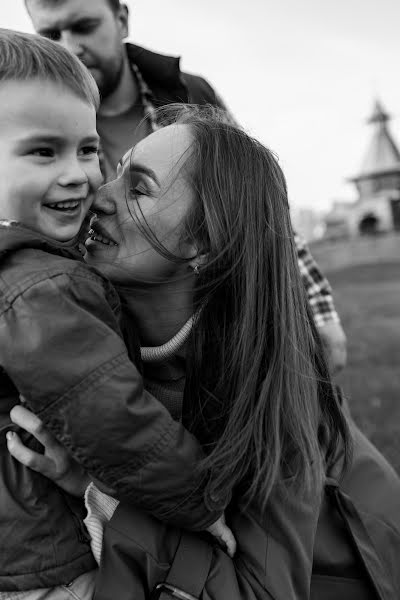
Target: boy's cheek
x=97, y=176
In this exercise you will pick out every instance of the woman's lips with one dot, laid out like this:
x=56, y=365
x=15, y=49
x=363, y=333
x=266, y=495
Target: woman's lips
x=97, y=229
x=98, y=237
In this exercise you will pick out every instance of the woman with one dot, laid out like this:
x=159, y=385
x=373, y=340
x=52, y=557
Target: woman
x=195, y=233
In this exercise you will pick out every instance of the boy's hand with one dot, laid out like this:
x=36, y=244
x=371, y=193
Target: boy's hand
x=55, y=463
x=224, y=535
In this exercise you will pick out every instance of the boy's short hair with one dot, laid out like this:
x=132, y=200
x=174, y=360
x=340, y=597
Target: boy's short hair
x=25, y=56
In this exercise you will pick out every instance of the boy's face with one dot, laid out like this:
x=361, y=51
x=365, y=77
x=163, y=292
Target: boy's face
x=49, y=168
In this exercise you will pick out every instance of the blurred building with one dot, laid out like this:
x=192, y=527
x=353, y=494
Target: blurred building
x=377, y=209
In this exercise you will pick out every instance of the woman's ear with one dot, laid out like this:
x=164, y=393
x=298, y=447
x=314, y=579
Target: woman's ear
x=198, y=261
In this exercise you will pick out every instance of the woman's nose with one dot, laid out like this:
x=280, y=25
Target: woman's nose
x=103, y=201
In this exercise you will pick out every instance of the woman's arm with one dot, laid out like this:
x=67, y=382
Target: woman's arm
x=55, y=463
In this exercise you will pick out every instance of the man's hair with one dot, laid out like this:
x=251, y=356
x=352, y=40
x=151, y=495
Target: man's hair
x=25, y=56
x=114, y=4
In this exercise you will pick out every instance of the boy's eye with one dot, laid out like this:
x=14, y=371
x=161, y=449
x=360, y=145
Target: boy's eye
x=43, y=152
x=87, y=150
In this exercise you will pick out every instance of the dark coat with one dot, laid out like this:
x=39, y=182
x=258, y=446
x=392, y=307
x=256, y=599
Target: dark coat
x=62, y=349
x=167, y=82
x=274, y=557
x=344, y=545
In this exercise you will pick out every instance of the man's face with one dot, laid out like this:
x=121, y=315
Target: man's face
x=90, y=30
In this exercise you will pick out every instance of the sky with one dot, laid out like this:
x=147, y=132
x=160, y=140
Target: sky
x=299, y=75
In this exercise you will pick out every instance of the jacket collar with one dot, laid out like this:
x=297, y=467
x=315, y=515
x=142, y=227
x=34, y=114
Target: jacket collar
x=15, y=236
x=161, y=73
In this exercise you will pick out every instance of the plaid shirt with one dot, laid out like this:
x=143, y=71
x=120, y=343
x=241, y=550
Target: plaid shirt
x=146, y=99
x=318, y=290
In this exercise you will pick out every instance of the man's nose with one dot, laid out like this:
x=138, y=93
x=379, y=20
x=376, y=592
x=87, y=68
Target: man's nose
x=103, y=202
x=71, y=42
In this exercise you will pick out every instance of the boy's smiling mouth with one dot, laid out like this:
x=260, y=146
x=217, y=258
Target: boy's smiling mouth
x=65, y=206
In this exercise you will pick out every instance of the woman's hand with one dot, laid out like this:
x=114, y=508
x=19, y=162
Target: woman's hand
x=224, y=535
x=55, y=463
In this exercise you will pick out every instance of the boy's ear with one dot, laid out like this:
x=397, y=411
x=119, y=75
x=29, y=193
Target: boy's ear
x=123, y=20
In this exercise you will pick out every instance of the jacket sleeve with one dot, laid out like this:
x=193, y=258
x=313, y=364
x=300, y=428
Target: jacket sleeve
x=61, y=345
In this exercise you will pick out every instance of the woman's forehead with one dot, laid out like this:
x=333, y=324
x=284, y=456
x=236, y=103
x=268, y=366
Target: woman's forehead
x=162, y=150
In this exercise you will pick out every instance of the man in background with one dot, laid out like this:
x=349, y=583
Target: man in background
x=132, y=83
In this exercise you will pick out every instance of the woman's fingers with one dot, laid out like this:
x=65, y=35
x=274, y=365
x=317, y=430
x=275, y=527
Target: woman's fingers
x=30, y=422
x=224, y=535
x=26, y=456
x=55, y=463
x=228, y=539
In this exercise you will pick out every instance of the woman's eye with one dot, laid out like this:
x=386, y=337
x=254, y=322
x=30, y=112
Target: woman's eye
x=137, y=192
x=42, y=152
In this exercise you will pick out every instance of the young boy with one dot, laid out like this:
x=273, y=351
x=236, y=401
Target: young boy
x=61, y=346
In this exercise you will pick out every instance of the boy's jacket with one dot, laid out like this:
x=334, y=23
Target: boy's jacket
x=62, y=349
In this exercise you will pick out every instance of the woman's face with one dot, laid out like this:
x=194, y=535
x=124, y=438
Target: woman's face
x=150, y=186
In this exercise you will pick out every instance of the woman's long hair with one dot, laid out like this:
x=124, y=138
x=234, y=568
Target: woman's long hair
x=258, y=392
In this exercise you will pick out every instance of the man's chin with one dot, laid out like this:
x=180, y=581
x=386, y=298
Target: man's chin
x=107, y=81
x=97, y=76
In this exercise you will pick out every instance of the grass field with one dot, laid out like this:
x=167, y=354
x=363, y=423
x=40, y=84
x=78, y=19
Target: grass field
x=367, y=297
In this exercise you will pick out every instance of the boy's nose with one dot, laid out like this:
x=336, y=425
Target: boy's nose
x=73, y=174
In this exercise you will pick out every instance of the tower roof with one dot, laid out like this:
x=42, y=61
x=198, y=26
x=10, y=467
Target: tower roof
x=379, y=115
x=382, y=155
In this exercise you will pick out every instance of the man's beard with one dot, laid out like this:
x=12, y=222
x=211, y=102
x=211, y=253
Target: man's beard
x=109, y=80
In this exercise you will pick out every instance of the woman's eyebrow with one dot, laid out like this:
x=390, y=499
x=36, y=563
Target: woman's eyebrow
x=138, y=168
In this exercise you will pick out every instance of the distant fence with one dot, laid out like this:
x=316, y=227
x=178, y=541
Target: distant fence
x=338, y=254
